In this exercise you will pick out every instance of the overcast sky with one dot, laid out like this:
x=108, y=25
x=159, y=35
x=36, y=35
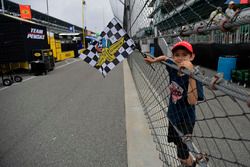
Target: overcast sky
x=97, y=12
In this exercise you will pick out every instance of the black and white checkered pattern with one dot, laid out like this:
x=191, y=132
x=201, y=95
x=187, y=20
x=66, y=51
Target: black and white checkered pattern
x=112, y=32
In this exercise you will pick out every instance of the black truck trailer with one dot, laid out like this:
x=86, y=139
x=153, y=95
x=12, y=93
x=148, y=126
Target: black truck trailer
x=19, y=37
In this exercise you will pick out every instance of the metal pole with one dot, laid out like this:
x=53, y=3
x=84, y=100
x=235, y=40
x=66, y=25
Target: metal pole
x=48, y=33
x=83, y=28
x=130, y=17
x=2, y=2
x=47, y=5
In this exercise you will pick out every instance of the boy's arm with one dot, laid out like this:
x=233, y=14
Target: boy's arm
x=156, y=59
x=192, y=95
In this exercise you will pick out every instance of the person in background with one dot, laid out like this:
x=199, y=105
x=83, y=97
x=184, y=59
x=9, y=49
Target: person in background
x=216, y=16
x=232, y=10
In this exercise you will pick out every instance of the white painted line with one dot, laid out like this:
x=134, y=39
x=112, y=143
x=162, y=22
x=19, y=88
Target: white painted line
x=66, y=64
x=3, y=88
x=27, y=79
x=30, y=78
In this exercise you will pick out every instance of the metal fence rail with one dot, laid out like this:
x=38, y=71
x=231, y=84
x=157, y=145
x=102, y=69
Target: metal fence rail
x=222, y=120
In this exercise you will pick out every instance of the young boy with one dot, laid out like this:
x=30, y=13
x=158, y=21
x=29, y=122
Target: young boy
x=184, y=94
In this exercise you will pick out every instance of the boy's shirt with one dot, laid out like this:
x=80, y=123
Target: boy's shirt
x=179, y=110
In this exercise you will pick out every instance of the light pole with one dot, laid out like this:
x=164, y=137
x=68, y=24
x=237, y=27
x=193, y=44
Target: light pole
x=2, y=5
x=47, y=5
x=83, y=27
x=48, y=32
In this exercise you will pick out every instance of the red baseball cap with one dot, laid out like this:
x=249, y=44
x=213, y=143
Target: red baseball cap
x=184, y=44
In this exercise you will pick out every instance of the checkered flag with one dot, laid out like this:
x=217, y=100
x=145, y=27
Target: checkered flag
x=106, y=58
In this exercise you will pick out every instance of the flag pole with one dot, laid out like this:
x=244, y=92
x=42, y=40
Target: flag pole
x=145, y=56
x=83, y=28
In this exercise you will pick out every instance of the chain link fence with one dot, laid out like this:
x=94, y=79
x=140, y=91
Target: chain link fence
x=222, y=120
x=220, y=136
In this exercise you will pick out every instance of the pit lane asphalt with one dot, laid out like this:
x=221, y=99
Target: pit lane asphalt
x=70, y=117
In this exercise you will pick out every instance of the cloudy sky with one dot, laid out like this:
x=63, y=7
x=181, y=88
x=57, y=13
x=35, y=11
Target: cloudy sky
x=97, y=12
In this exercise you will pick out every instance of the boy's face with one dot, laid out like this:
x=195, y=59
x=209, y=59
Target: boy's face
x=181, y=55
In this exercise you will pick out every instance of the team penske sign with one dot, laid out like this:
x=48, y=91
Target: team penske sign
x=36, y=34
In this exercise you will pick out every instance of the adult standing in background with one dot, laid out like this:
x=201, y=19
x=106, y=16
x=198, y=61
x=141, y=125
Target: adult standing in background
x=232, y=10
